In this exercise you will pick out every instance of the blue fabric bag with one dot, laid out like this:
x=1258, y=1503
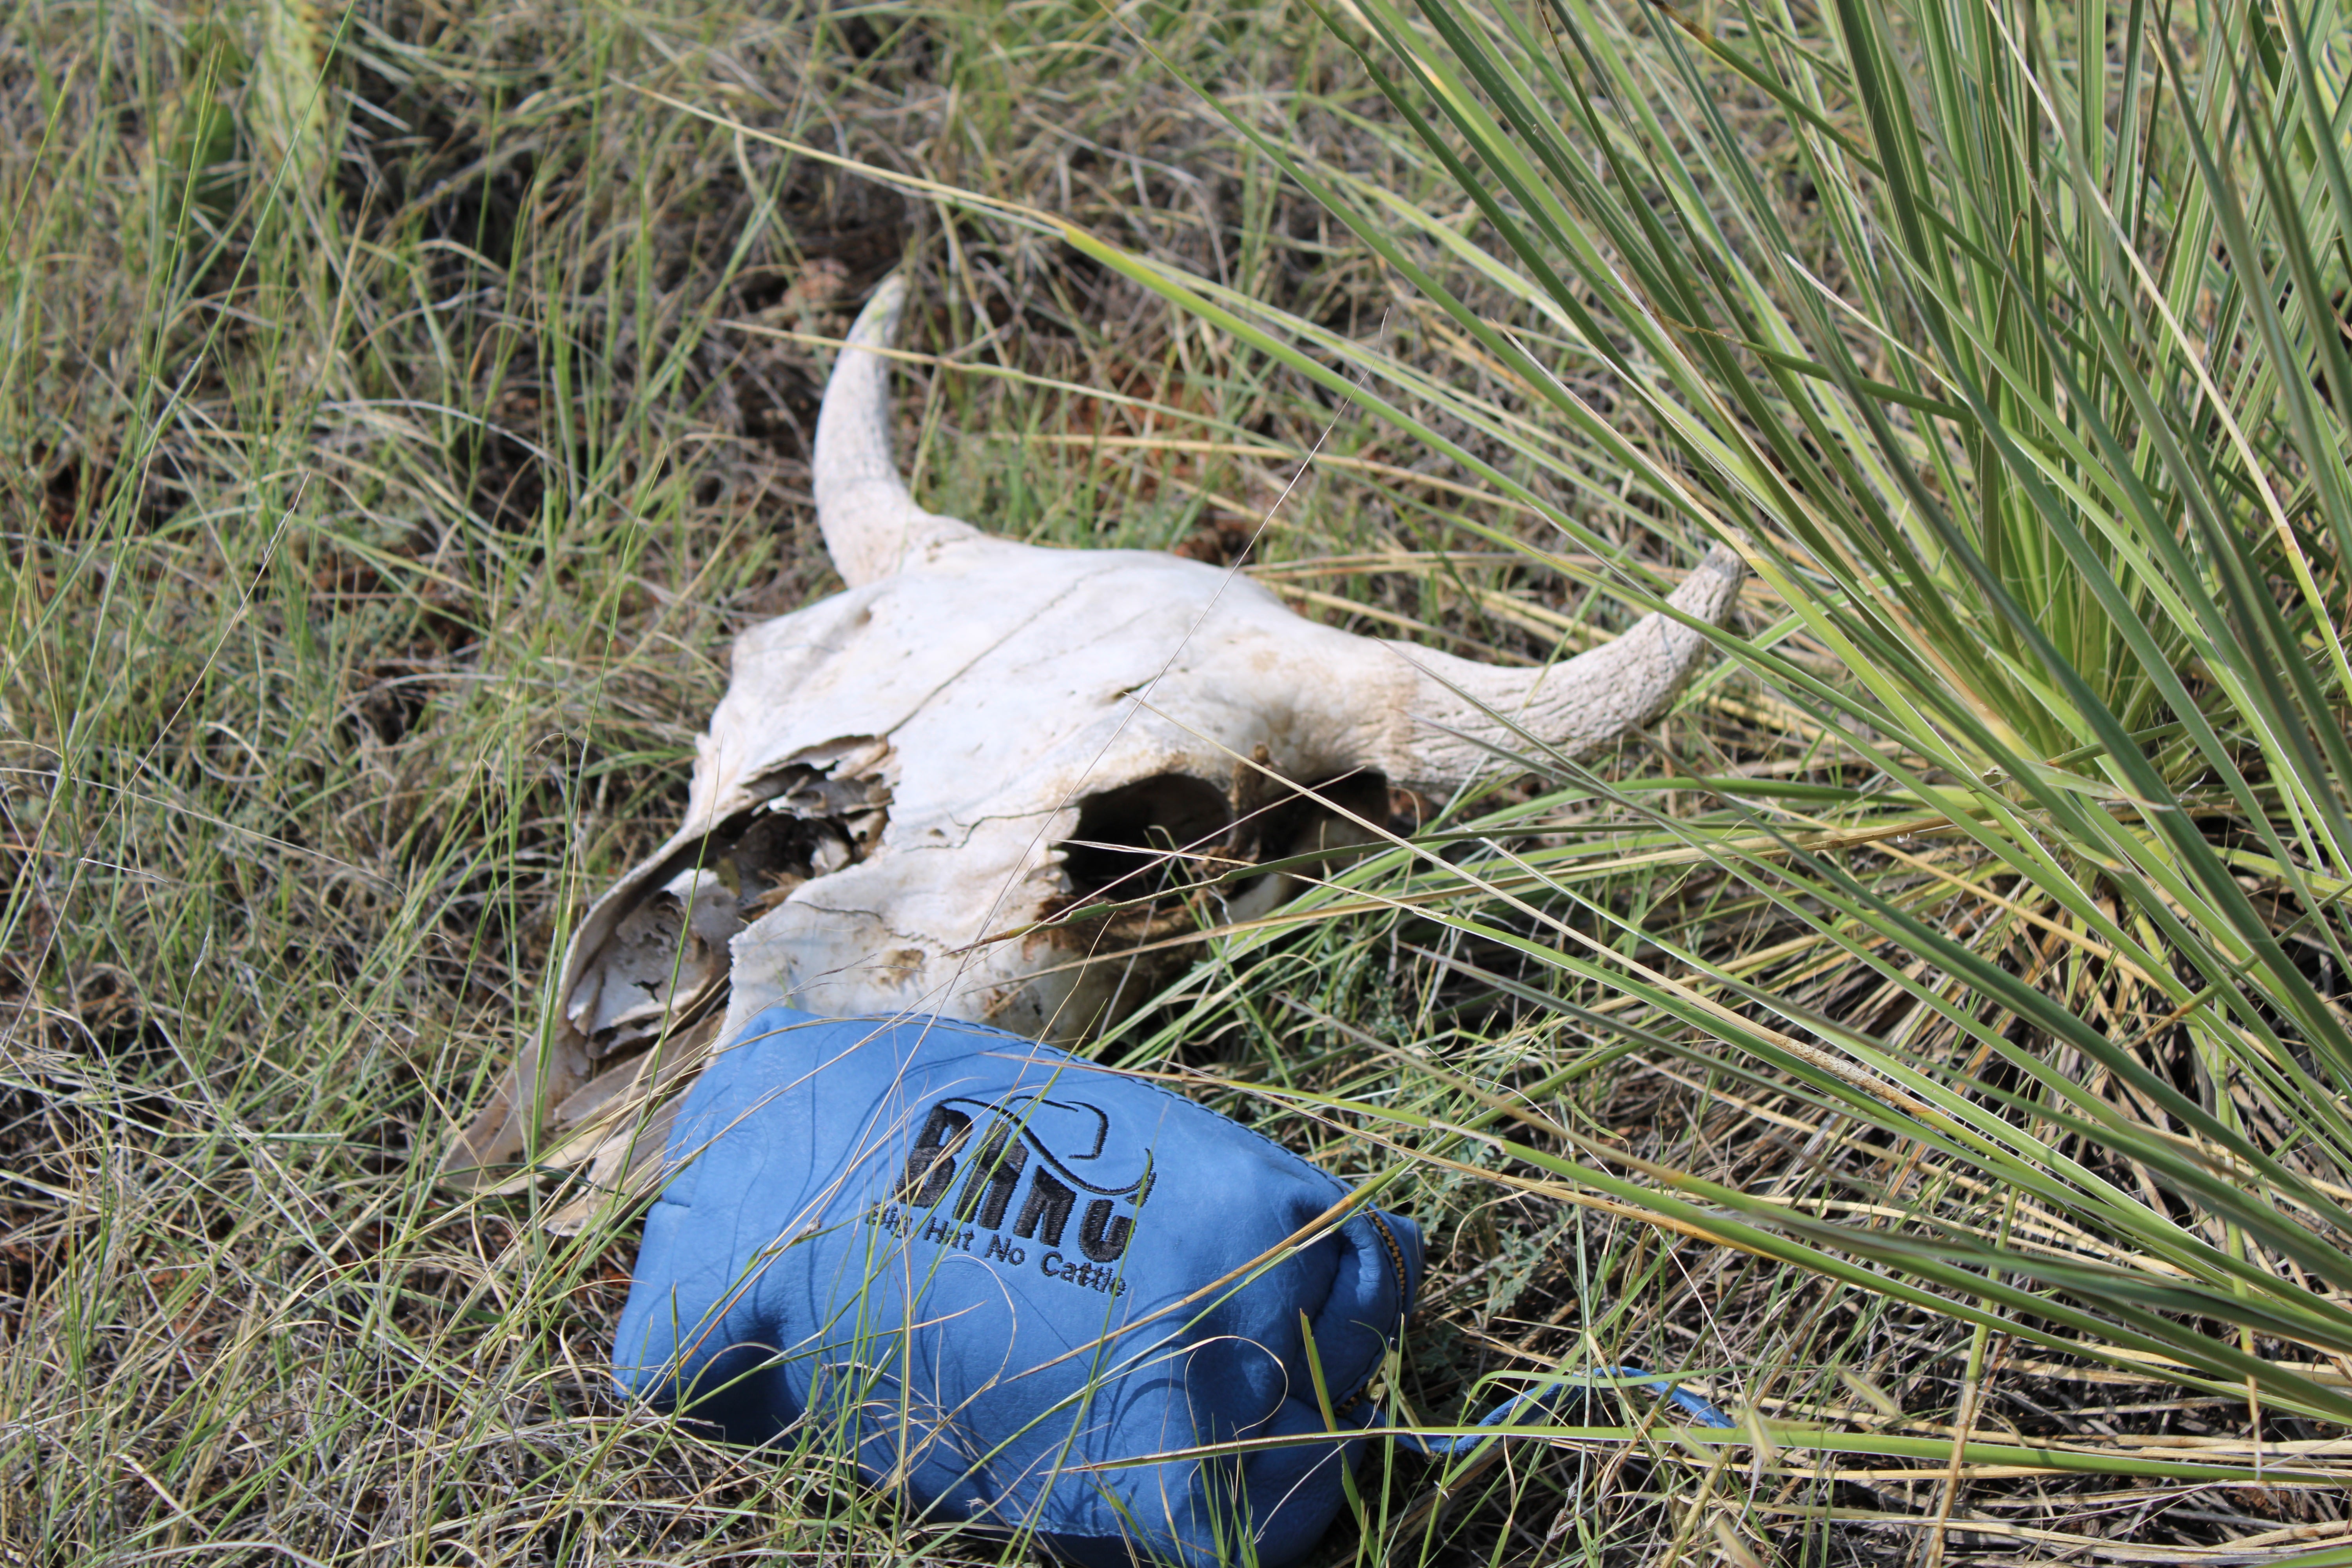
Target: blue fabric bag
x=1020, y=1286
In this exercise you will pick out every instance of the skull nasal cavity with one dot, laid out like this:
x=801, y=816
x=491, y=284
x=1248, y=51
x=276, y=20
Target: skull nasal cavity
x=1126, y=834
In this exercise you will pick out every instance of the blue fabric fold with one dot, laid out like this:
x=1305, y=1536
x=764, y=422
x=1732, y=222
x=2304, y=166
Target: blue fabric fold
x=1019, y=1288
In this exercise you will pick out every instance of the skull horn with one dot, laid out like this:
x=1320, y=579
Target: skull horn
x=872, y=525
x=1453, y=715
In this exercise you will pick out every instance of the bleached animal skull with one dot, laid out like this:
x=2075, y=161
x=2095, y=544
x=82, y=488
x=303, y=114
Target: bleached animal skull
x=975, y=735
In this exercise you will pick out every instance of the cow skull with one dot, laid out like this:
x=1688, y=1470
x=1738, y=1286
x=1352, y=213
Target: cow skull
x=975, y=736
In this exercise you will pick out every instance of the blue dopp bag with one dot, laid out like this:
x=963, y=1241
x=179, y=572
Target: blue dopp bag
x=1023, y=1289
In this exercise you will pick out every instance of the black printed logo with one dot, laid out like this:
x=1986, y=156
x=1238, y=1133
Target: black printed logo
x=1022, y=1168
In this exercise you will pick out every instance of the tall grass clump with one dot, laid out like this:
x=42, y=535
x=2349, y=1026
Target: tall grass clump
x=2010, y=342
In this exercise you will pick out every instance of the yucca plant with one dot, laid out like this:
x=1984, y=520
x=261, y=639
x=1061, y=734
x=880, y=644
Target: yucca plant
x=2014, y=348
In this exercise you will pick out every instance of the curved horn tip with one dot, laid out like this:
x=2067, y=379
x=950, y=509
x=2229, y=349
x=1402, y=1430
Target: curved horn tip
x=1713, y=586
x=1451, y=704
x=877, y=324
x=872, y=526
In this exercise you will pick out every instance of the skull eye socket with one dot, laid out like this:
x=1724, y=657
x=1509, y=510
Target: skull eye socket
x=1140, y=838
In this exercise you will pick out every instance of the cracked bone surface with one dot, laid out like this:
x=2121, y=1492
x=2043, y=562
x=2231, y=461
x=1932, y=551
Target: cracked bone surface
x=976, y=734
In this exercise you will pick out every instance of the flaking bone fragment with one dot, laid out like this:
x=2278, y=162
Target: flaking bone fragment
x=975, y=735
